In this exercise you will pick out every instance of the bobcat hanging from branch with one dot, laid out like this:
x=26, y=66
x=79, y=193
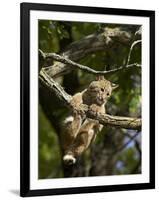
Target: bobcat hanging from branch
x=77, y=134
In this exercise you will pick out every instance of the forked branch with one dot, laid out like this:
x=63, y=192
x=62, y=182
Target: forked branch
x=105, y=119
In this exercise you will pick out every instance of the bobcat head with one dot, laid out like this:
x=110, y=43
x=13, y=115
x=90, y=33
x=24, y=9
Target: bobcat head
x=98, y=91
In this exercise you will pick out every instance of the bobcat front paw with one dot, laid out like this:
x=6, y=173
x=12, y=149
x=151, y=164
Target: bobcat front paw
x=69, y=159
x=80, y=110
x=94, y=109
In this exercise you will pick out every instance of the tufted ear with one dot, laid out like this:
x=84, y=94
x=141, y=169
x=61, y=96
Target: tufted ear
x=100, y=77
x=114, y=86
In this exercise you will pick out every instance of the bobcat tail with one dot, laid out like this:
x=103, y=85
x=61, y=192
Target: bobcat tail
x=69, y=159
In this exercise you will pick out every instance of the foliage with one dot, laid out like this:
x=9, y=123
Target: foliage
x=49, y=150
x=54, y=36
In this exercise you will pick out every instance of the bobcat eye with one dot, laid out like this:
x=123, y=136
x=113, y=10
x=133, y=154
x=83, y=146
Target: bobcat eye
x=108, y=94
x=102, y=89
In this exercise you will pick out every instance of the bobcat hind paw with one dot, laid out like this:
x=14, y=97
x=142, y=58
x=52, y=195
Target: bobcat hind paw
x=69, y=160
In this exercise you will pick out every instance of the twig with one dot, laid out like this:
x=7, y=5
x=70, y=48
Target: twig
x=130, y=51
x=124, y=145
x=132, y=138
x=137, y=146
x=136, y=143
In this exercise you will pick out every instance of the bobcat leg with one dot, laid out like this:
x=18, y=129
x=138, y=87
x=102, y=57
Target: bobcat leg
x=81, y=143
x=69, y=132
x=72, y=123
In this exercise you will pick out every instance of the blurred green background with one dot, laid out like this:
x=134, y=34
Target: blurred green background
x=114, y=151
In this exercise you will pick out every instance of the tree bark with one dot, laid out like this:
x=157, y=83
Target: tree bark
x=49, y=89
x=105, y=119
x=92, y=43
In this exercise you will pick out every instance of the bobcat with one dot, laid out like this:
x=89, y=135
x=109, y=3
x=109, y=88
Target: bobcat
x=77, y=134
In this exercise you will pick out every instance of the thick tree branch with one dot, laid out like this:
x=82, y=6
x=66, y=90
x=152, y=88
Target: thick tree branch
x=105, y=119
x=89, y=44
x=117, y=121
x=53, y=86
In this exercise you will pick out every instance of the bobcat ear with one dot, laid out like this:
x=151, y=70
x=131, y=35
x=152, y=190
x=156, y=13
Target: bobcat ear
x=99, y=77
x=114, y=86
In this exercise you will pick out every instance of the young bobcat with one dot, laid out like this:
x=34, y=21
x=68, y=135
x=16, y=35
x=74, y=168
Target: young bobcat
x=78, y=135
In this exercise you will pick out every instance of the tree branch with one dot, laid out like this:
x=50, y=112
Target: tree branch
x=131, y=48
x=53, y=86
x=117, y=121
x=75, y=65
x=123, y=146
x=105, y=119
x=89, y=44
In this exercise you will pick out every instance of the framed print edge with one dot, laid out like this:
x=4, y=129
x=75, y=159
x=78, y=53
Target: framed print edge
x=25, y=104
x=152, y=99
x=25, y=189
